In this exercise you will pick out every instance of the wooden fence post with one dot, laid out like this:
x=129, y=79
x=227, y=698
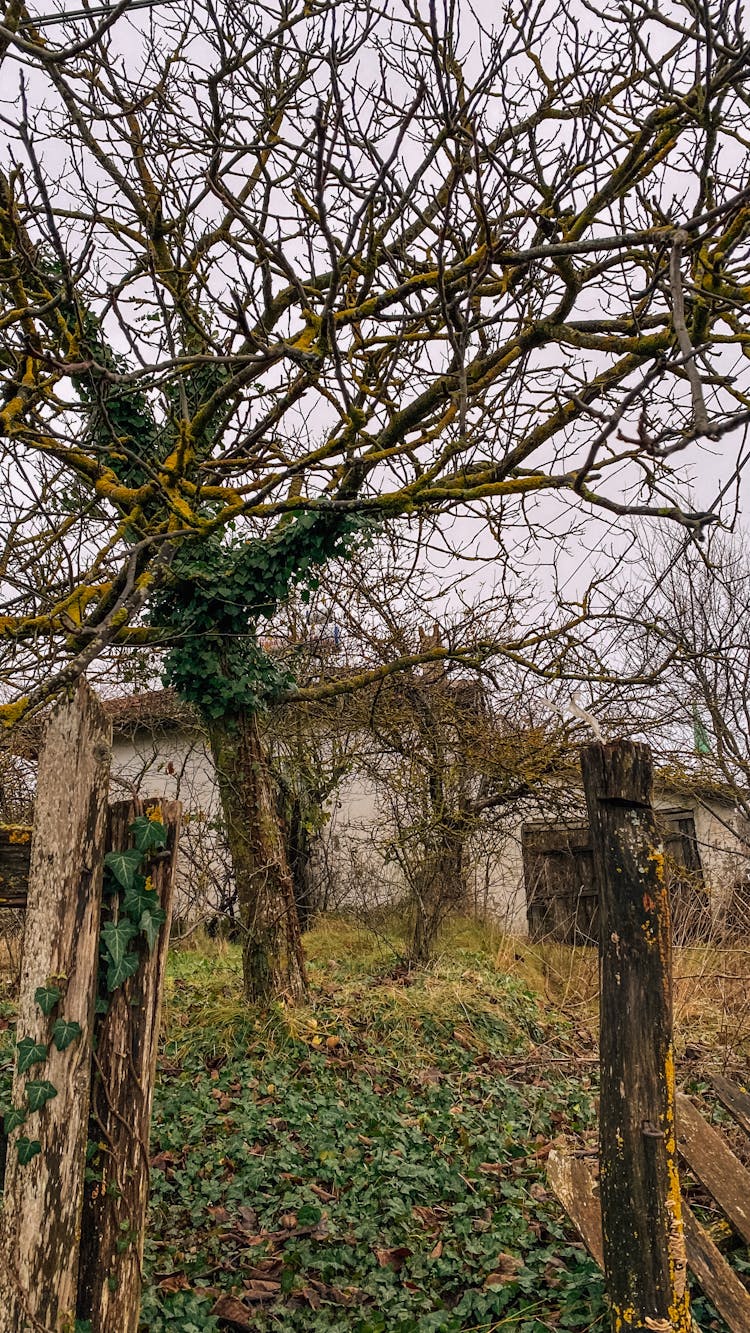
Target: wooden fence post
x=15, y=855
x=114, y=1212
x=42, y=1199
x=644, y=1246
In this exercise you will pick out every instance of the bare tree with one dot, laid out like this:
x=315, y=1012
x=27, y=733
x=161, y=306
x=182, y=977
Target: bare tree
x=436, y=729
x=354, y=261
x=284, y=269
x=668, y=659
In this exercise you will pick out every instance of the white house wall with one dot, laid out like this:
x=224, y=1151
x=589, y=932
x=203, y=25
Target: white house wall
x=355, y=846
x=174, y=764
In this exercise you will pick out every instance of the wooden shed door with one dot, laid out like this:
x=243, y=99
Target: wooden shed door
x=561, y=895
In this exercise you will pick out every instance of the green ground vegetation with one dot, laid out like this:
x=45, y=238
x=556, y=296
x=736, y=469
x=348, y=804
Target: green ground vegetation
x=373, y=1161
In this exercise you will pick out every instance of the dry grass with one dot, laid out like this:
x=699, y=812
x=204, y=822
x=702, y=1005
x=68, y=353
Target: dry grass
x=712, y=997
x=711, y=989
x=711, y=982
x=568, y=978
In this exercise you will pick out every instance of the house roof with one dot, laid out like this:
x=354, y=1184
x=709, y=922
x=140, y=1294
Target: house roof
x=163, y=710
x=154, y=709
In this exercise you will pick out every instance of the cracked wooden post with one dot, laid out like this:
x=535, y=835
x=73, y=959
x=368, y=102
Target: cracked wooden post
x=114, y=1212
x=644, y=1246
x=41, y=1210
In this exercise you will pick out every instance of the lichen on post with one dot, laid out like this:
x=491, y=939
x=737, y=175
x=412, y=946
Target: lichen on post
x=644, y=1245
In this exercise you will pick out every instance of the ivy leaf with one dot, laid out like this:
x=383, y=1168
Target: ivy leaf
x=27, y=1149
x=150, y=924
x=139, y=899
x=116, y=936
x=39, y=1093
x=30, y=1053
x=64, y=1032
x=148, y=834
x=124, y=866
x=119, y=970
x=47, y=997
x=13, y=1118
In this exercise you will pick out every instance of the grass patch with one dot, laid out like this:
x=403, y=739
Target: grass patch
x=371, y=1161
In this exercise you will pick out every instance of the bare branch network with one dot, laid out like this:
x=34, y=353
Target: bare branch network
x=335, y=256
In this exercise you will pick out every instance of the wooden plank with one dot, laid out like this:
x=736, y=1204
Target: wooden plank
x=15, y=854
x=114, y=1214
x=720, y=1282
x=572, y=1181
x=42, y=1200
x=715, y=1165
x=644, y=1245
x=735, y=1099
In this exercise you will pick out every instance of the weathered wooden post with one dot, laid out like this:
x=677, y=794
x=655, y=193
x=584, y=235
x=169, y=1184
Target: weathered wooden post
x=15, y=856
x=114, y=1212
x=47, y=1144
x=644, y=1246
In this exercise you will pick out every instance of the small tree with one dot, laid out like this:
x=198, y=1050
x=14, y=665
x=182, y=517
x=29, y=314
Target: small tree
x=452, y=767
x=445, y=731
x=691, y=613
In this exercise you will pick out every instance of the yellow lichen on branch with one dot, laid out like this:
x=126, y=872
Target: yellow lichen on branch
x=11, y=714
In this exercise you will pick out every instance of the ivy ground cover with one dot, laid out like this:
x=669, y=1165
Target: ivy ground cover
x=374, y=1161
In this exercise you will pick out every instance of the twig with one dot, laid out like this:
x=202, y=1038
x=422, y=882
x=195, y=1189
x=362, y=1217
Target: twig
x=700, y=415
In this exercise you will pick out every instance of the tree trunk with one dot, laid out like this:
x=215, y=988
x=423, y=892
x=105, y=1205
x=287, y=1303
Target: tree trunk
x=299, y=844
x=273, y=963
x=440, y=891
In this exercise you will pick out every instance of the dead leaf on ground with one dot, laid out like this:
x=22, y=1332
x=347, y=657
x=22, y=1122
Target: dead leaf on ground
x=432, y=1219
x=260, y=1289
x=429, y=1075
x=323, y=1291
x=164, y=1159
x=174, y=1282
x=395, y=1258
x=325, y=1195
x=229, y=1308
x=507, y=1268
x=266, y=1270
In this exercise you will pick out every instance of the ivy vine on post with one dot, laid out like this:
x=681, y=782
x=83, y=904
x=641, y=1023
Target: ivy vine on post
x=91, y=982
x=138, y=893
